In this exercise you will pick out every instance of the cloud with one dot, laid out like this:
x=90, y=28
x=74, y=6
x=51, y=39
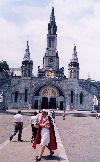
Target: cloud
x=77, y=22
x=5, y=2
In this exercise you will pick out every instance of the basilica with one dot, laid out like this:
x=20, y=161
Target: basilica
x=50, y=89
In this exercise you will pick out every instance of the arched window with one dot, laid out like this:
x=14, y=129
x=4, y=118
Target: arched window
x=29, y=74
x=49, y=42
x=26, y=90
x=71, y=96
x=71, y=74
x=11, y=97
x=81, y=98
x=16, y=96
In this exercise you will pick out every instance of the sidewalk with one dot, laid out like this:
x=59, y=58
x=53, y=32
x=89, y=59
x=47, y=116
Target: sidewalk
x=23, y=152
x=79, y=134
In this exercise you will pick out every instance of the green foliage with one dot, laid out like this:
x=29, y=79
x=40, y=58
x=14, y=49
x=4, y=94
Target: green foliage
x=4, y=66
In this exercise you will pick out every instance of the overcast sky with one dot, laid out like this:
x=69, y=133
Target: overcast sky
x=78, y=22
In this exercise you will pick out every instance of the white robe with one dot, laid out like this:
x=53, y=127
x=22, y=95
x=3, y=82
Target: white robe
x=45, y=134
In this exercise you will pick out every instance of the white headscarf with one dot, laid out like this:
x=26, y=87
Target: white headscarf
x=45, y=110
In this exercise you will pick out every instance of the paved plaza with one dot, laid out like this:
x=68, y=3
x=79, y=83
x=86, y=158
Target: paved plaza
x=78, y=139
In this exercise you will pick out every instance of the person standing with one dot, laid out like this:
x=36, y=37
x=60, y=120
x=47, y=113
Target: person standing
x=64, y=115
x=45, y=135
x=18, y=122
x=53, y=116
x=34, y=126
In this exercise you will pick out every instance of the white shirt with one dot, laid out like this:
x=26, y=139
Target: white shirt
x=34, y=119
x=18, y=118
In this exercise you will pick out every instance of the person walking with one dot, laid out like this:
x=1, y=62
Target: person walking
x=45, y=135
x=18, y=122
x=34, y=126
x=97, y=114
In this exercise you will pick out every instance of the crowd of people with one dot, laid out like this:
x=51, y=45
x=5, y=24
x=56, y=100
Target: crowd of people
x=43, y=132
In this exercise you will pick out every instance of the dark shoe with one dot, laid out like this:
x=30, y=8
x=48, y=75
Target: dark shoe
x=51, y=153
x=32, y=139
x=38, y=158
x=11, y=138
x=20, y=140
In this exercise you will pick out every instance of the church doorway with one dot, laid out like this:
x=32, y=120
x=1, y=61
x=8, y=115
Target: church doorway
x=61, y=105
x=48, y=97
x=52, y=103
x=44, y=104
x=48, y=103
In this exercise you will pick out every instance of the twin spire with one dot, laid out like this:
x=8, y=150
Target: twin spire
x=27, y=53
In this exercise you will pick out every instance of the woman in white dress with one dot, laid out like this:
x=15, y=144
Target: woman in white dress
x=45, y=134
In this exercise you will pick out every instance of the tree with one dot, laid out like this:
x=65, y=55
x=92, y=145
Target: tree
x=4, y=66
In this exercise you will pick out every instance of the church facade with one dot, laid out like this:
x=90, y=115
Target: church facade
x=50, y=89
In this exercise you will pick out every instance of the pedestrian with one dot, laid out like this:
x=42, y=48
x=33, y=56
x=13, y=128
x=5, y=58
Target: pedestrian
x=64, y=115
x=45, y=135
x=34, y=126
x=18, y=122
x=97, y=114
x=53, y=116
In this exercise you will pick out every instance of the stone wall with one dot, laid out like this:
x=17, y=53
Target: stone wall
x=20, y=84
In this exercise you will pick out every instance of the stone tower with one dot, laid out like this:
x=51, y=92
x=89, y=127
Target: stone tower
x=73, y=66
x=27, y=64
x=51, y=58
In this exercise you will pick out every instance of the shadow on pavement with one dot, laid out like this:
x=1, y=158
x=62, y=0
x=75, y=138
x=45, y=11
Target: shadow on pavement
x=21, y=141
x=52, y=158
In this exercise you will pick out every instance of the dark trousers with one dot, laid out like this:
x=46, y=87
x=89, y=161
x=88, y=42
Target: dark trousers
x=34, y=131
x=18, y=129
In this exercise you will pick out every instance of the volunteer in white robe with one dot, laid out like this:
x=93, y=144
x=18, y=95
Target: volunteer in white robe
x=45, y=132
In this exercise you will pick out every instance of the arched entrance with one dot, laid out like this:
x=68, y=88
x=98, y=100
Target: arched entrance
x=48, y=97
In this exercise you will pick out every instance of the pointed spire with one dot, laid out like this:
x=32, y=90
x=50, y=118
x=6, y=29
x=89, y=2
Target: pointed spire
x=52, y=28
x=27, y=53
x=52, y=17
x=73, y=66
x=74, y=55
x=27, y=47
x=74, y=48
x=52, y=11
